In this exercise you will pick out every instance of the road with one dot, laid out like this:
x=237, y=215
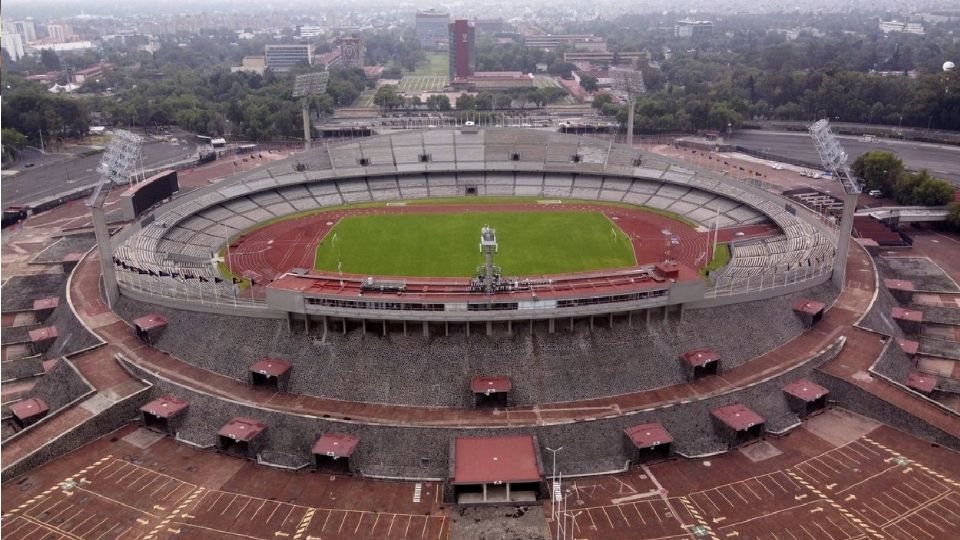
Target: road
x=941, y=160
x=54, y=174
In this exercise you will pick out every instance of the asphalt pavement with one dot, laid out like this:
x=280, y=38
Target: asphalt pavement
x=56, y=173
x=943, y=161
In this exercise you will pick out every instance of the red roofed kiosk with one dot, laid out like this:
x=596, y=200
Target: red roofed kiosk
x=901, y=289
x=700, y=363
x=647, y=442
x=922, y=382
x=909, y=320
x=43, y=308
x=164, y=414
x=809, y=311
x=495, y=470
x=806, y=397
x=241, y=437
x=28, y=411
x=149, y=327
x=42, y=338
x=271, y=373
x=332, y=451
x=909, y=347
x=491, y=391
x=739, y=424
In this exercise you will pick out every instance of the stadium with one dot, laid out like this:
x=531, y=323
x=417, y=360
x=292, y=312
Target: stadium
x=447, y=308
x=353, y=265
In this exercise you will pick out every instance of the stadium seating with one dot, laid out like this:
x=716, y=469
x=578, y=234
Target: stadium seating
x=188, y=232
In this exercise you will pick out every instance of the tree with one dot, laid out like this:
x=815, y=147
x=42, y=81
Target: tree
x=438, y=102
x=589, y=83
x=387, y=97
x=953, y=216
x=921, y=189
x=466, y=102
x=50, y=60
x=601, y=100
x=13, y=142
x=878, y=169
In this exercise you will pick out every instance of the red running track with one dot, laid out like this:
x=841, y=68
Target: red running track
x=270, y=251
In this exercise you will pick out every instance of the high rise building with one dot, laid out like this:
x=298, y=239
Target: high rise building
x=462, y=39
x=692, y=29
x=26, y=30
x=60, y=33
x=351, y=52
x=281, y=58
x=13, y=45
x=432, y=27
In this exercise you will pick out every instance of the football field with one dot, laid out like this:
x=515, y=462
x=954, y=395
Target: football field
x=447, y=244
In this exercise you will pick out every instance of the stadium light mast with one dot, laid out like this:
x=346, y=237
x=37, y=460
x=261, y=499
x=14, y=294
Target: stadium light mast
x=834, y=160
x=306, y=86
x=117, y=166
x=629, y=82
x=489, y=274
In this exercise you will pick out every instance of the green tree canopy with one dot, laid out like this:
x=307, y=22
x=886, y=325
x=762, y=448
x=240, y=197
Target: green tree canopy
x=878, y=169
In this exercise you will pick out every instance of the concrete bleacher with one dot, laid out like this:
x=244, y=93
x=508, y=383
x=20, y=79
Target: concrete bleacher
x=548, y=165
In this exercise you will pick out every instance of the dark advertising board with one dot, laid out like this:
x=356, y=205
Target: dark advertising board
x=141, y=197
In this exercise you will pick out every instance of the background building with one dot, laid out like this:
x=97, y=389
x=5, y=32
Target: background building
x=13, y=45
x=462, y=42
x=60, y=33
x=281, y=58
x=693, y=29
x=351, y=52
x=26, y=29
x=432, y=27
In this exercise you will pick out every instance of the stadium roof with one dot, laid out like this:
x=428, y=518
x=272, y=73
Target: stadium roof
x=165, y=407
x=488, y=460
x=808, y=306
x=898, y=284
x=908, y=346
x=922, y=382
x=737, y=416
x=914, y=315
x=490, y=385
x=700, y=357
x=335, y=445
x=805, y=390
x=648, y=435
x=46, y=303
x=271, y=367
x=242, y=429
x=29, y=408
x=150, y=322
x=43, y=334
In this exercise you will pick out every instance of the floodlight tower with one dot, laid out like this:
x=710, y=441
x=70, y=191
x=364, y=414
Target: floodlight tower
x=118, y=166
x=488, y=273
x=306, y=86
x=834, y=160
x=629, y=82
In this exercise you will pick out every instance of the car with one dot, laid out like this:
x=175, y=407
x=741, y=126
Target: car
x=27, y=165
x=778, y=167
x=468, y=123
x=875, y=193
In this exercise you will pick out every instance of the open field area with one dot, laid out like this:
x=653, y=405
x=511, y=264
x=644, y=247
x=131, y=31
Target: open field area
x=447, y=244
x=413, y=84
x=436, y=64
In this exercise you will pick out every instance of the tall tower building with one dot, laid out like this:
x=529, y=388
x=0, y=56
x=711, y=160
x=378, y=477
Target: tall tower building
x=351, y=52
x=462, y=58
x=431, y=27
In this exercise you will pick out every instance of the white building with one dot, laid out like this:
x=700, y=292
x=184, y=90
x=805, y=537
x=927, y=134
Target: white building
x=901, y=27
x=309, y=32
x=13, y=44
x=27, y=31
x=60, y=32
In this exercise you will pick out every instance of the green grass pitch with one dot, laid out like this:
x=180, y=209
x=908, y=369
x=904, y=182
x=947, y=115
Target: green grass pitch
x=434, y=245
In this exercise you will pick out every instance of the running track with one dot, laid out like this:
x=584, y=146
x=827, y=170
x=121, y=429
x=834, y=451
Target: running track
x=270, y=251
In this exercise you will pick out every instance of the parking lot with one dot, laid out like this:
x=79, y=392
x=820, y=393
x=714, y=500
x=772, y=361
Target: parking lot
x=882, y=485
